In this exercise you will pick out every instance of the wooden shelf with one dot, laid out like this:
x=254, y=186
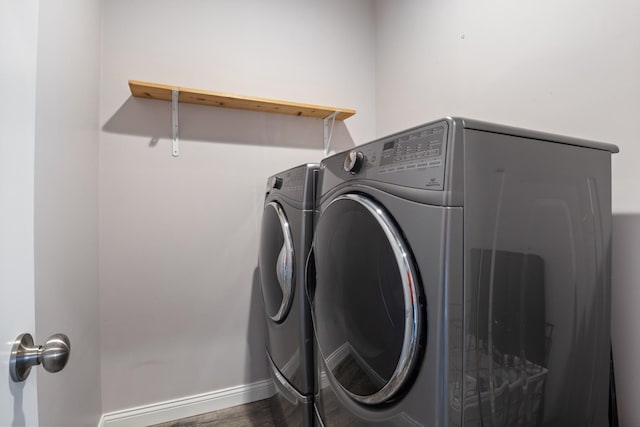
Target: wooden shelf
x=203, y=97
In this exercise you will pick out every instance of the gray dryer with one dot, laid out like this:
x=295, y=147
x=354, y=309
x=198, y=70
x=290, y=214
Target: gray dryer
x=462, y=278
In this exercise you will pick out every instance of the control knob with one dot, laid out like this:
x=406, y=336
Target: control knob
x=353, y=162
x=276, y=183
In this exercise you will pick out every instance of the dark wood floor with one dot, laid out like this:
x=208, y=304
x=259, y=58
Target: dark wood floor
x=256, y=414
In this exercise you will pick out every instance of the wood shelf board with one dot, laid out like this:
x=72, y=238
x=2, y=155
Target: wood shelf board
x=196, y=96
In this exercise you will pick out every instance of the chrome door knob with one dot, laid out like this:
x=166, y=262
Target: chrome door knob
x=55, y=353
x=52, y=355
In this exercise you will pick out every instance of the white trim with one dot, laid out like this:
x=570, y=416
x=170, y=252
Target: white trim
x=170, y=410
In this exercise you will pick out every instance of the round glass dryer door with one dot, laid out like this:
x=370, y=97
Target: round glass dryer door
x=366, y=306
x=276, y=262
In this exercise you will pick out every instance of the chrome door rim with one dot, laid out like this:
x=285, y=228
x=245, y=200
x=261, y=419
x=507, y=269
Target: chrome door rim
x=287, y=268
x=412, y=321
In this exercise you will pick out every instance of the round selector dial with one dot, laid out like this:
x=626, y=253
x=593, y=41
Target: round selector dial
x=353, y=162
x=275, y=183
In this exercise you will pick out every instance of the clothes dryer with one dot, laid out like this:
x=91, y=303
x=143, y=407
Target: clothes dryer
x=462, y=278
x=286, y=236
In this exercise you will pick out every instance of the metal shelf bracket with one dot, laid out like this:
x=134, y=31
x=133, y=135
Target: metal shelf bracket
x=175, y=93
x=327, y=131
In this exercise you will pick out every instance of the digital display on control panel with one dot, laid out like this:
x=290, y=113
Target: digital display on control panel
x=388, y=146
x=420, y=147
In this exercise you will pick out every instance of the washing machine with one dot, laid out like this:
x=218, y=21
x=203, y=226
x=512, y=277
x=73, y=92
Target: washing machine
x=462, y=278
x=286, y=235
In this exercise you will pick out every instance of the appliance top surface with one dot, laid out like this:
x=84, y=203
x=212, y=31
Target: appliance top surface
x=527, y=133
x=300, y=169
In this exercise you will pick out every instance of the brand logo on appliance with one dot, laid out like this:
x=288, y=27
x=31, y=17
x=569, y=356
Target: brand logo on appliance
x=433, y=183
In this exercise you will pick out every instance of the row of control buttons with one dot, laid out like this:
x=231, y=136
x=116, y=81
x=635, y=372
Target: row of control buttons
x=417, y=148
x=421, y=134
x=411, y=166
x=428, y=153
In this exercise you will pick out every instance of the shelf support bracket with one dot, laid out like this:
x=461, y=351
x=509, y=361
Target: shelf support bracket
x=327, y=130
x=175, y=151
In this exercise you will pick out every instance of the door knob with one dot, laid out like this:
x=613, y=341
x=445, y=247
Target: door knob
x=52, y=355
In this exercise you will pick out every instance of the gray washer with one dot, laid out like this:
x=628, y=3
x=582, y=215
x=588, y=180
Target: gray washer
x=462, y=278
x=285, y=241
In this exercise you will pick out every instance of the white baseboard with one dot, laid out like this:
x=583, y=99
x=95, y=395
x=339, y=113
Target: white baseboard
x=188, y=406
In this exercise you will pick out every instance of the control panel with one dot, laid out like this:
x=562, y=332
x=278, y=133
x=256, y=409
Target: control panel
x=291, y=180
x=296, y=186
x=414, y=158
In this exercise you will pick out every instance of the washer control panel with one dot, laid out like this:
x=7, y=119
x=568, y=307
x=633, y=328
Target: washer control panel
x=294, y=179
x=414, y=158
x=291, y=183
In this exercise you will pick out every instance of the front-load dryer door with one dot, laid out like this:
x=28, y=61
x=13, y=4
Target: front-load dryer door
x=367, y=302
x=276, y=262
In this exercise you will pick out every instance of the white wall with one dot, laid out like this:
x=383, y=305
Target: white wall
x=569, y=67
x=181, y=311
x=66, y=207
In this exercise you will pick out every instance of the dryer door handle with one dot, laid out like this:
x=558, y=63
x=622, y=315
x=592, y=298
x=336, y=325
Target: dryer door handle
x=284, y=267
x=310, y=276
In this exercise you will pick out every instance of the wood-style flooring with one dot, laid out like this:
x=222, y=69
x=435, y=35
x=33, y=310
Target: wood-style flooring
x=256, y=414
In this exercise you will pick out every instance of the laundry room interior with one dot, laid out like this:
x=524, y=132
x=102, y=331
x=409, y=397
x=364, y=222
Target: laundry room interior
x=148, y=260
